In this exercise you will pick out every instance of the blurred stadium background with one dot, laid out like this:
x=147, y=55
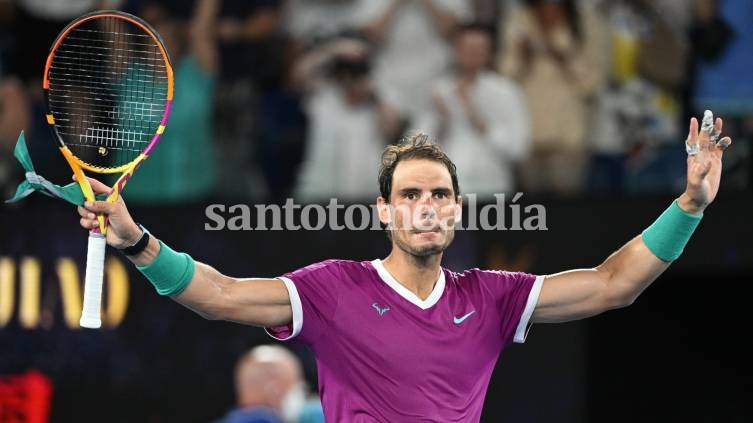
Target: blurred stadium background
x=580, y=105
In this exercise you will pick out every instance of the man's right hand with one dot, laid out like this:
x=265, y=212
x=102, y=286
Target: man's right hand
x=122, y=231
x=251, y=301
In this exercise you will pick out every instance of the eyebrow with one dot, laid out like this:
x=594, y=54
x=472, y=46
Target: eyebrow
x=445, y=191
x=414, y=190
x=409, y=190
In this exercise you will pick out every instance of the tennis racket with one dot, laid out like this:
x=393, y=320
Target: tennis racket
x=108, y=85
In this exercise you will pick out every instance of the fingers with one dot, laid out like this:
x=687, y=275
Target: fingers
x=724, y=143
x=89, y=223
x=89, y=213
x=707, y=125
x=85, y=213
x=693, y=130
x=100, y=207
x=88, y=219
x=691, y=143
x=708, y=136
x=97, y=186
x=717, y=131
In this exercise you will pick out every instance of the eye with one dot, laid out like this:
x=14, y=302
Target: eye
x=440, y=195
x=411, y=196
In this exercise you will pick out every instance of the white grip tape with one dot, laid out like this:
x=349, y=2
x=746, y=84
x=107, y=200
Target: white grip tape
x=95, y=263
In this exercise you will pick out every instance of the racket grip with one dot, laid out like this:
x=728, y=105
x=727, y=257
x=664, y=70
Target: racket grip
x=95, y=263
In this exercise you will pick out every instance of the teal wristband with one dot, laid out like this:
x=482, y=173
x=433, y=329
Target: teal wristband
x=669, y=234
x=170, y=272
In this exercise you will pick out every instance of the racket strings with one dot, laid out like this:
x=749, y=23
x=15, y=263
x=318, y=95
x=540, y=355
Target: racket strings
x=108, y=90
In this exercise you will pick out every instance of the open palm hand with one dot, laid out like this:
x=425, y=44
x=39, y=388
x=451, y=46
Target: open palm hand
x=705, y=151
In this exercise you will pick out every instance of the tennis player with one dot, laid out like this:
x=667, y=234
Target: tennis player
x=401, y=338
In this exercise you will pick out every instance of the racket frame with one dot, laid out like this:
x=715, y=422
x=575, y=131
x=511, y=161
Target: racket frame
x=90, y=316
x=78, y=165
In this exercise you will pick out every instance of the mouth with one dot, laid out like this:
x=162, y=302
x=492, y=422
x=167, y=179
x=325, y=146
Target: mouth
x=426, y=233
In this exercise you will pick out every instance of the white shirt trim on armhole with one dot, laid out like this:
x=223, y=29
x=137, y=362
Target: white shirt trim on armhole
x=295, y=303
x=533, y=297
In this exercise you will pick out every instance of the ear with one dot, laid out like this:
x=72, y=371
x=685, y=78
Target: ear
x=459, y=209
x=384, y=211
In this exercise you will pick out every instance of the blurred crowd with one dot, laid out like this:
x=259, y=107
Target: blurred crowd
x=281, y=98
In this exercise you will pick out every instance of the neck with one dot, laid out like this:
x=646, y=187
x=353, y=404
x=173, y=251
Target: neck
x=417, y=274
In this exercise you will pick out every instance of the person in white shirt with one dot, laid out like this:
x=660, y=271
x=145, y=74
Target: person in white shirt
x=351, y=121
x=479, y=117
x=413, y=49
x=411, y=37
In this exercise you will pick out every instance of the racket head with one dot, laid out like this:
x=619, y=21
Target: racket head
x=108, y=87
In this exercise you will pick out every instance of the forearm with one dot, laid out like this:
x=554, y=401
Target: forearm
x=309, y=66
x=632, y=269
x=375, y=31
x=622, y=277
x=205, y=15
x=203, y=34
x=444, y=21
x=474, y=117
x=389, y=120
x=251, y=301
x=629, y=271
x=212, y=295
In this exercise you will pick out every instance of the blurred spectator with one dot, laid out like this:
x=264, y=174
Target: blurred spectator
x=721, y=39
x=247, y=30
x=14, y=112
x=351, y=120
x=411, y=37
x=316, y=21
x=413, y=49
x=36, y=24
x=184, y=164
x=270, y=388
x=479, y=117
x=14, y=116
x=554, y=48
x=636, y=113
x=260, y=121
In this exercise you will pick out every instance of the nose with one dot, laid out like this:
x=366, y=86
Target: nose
x=427, y=208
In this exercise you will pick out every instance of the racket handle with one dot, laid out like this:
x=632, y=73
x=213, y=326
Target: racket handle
x=95, y=263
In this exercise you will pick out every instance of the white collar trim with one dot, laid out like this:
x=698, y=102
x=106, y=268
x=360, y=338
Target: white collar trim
x=404, y=292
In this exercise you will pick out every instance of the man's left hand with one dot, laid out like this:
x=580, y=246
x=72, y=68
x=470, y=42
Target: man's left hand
x=705, y=151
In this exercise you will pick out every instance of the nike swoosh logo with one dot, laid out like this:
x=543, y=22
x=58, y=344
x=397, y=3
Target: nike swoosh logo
x=459, y=320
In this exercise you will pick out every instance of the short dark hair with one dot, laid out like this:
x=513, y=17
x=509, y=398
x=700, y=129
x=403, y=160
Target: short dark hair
x=413, y=147
x=475, y=26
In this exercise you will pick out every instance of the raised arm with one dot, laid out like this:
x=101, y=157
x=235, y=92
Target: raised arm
x=378, y=27
x=309, y=69
x=202, y=34
x=617, y=282
x=444, y=20
x=251, y=301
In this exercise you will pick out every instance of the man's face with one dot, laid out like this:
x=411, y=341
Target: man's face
x=472, y=50
x=423, y=208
